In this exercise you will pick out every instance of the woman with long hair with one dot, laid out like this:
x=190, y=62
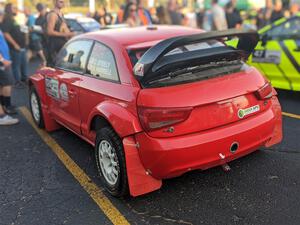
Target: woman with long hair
x=130, y=15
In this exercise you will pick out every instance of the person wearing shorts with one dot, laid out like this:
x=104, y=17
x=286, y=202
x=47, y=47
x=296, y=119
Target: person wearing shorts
x=35, y=37
x=16, y=36
x=6, y=82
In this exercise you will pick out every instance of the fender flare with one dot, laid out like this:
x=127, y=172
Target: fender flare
x=120, y=118
x=37, y=80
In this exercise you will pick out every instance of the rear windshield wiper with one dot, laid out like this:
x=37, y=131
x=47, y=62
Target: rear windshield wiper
x=196, y=69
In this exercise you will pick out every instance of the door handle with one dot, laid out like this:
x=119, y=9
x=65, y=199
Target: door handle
x=297, y=49
x=72, y=93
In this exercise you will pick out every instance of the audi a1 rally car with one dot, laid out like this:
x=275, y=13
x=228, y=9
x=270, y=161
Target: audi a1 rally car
x=277, y=55
x=158, y=102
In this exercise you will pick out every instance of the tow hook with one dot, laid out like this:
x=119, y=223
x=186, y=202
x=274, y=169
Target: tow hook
x=225, y=166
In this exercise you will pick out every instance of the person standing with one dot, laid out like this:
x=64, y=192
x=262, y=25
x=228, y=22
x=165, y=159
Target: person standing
x=35, y=38
x=5, y=83
x=57, y=31
x=264, y=14
x=173, y=11
x=130, y=15
x=144, y=14
x=163, y=16
x=219, y=17
x=17, y=37
x=233, y=16
x=277, y=12
x=41, y=21
x=103, y=17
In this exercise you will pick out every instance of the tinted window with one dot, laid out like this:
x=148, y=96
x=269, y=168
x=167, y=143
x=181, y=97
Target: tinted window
x=135, y=55
x=288, y=29
x=74, y=25
x=89, y=24
x=74, y=56
x=102, y=63
x=196, y=46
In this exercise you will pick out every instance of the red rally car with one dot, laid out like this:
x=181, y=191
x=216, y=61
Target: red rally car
x=158, y=102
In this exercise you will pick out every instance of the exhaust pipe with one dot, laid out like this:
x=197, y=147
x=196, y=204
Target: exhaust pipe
x=234, y=147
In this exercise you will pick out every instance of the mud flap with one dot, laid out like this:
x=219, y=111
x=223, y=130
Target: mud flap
x=139, y=181
x=50, y=124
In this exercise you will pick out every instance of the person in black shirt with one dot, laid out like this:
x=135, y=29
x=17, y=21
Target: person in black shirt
x=277, y=13
x=17, y=38
x=104, y=18
x=233, y=16
x=173, y=11
x=39, y=41
x=57, y=31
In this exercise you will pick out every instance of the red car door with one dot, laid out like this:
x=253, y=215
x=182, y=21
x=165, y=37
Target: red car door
x=100, y=83
x=65, y=85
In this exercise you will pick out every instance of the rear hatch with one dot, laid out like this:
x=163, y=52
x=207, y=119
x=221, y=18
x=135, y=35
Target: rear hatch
x=199, y=84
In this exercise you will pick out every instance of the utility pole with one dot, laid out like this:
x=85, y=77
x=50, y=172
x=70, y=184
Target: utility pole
x=92, y=6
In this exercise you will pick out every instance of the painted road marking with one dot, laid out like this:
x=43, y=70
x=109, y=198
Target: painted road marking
x=295, y=116
x=91, y=188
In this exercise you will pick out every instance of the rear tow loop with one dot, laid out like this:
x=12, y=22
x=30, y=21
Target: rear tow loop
x=225, y=166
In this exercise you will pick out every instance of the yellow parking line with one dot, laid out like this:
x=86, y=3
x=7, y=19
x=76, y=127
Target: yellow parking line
x=295, y=116
x=91, y=188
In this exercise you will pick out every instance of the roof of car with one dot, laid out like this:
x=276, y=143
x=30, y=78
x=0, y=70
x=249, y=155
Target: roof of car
x=135, y=37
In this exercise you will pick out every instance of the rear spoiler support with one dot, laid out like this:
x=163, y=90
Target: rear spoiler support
x=247, y=42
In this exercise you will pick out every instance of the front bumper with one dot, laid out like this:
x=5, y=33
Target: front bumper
x=171, y=157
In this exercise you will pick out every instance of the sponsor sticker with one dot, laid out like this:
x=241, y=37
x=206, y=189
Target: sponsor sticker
x=63, y=90
x=266, y=56
x=139, y=69
x=244, y=112
x=52, y=87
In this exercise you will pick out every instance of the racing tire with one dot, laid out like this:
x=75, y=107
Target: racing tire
x=35, y=108
x=110, y=160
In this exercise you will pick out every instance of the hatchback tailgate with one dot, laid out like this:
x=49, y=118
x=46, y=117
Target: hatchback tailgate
x=209, y=104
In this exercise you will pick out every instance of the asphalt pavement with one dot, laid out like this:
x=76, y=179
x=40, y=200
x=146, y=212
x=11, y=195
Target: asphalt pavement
x=37, y=188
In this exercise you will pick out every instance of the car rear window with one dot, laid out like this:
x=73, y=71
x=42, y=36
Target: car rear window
x=207, y=69
x=90, y=25
x=135, y=55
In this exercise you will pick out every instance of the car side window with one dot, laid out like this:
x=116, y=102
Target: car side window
x=289, y=29
x=74, y=56
x=74, y=26
x=102, y=63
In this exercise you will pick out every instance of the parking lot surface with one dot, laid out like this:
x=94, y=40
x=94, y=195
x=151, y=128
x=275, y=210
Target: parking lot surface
x=39, y=184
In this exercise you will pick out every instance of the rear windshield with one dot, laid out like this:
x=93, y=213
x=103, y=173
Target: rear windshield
x=198, y=73
x=135, y=55
x=227, y=65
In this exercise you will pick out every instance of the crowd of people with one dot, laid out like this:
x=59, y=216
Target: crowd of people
x=45, y=34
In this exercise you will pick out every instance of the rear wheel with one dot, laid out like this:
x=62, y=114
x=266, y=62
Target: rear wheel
x=35, y=108
x=111, y=162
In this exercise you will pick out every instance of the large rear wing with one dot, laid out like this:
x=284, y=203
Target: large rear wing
x=155, y=61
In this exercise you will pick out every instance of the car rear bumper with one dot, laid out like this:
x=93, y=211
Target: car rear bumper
x=171, y=157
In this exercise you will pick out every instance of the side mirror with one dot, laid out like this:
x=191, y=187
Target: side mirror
x=264, y=40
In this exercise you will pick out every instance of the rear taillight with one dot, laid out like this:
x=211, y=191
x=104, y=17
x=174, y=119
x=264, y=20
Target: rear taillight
x=155, y=118
x=265, y=92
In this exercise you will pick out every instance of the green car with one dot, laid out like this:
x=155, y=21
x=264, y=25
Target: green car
x=277, y=55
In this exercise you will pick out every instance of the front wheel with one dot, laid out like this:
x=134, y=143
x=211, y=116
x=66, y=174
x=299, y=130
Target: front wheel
x=110, y=161
x=35, y=108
